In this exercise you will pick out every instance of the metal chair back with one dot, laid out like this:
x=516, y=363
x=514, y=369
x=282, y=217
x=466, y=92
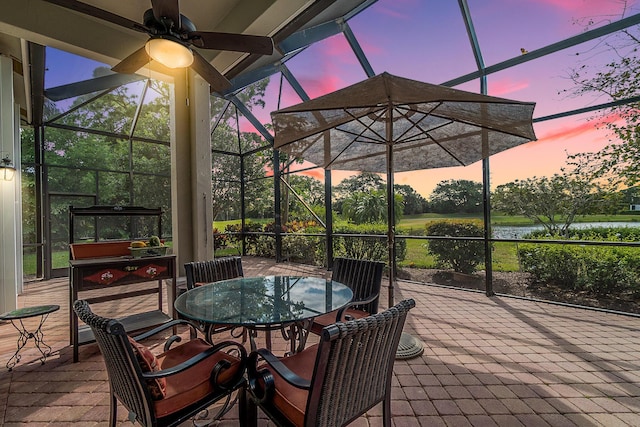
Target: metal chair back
x=125, y=374
x=364, y=277
x=213, y=270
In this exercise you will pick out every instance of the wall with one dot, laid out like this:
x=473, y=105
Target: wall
x=10, y=199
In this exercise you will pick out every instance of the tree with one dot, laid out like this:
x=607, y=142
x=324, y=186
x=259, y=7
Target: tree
x=457, y=196
x=363, y=182
x=629, y=196
x=226, y=170
x=370, y=207
x=413, y=202
x=617, y=80
x=310, y=190
x=553, y=202
x=226, y=182
x=107, y=164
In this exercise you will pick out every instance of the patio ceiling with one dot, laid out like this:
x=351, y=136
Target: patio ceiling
x=47, y=24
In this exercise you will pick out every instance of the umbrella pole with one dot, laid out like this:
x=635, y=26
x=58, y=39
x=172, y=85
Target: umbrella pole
x=391, y=232
x=391, y=216
x=408, y=347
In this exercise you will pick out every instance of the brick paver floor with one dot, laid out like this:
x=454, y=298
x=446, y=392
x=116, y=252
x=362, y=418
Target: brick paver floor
x=487, y=362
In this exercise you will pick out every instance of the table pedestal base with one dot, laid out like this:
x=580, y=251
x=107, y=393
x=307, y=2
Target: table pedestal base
x=25, y=336
x=296, y=333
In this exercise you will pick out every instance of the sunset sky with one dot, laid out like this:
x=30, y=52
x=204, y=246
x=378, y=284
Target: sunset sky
x=426, y=40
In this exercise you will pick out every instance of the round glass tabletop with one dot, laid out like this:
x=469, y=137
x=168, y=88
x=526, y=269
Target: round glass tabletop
x=262, y=301
x=23, y=313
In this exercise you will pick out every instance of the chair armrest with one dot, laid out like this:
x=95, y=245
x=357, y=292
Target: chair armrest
x=264, y=376
x=340, y=312
x=182, y=366
x=163, y=327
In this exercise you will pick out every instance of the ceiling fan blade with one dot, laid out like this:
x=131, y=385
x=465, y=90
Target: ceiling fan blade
x=87, y=9
x=133, y=62
x=235, y=42
x=216, y=80
x=167, y=9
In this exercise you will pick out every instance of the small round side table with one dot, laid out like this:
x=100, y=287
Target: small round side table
x=16, y=317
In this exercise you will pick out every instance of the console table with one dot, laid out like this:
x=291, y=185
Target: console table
x=107, y=265
x=112, y=272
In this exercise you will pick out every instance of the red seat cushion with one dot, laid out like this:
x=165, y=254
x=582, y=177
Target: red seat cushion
x=330, y=318
x=288, y=399
x=149, y=363
x=194, y=383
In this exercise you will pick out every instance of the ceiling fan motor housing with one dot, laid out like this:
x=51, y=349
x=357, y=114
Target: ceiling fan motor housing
x=166, y=25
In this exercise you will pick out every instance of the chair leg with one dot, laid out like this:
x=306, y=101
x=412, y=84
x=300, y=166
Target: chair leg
x=248, y=409
x=113, y=411
x=386, y=410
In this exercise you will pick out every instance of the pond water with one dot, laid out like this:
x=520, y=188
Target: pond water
x=514, y=232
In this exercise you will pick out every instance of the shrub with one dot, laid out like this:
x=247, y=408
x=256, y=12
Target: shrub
x=262, y=246
x=461, y=255
x=303, y=249
x=552, y=264
x=311, y=249
x=297, y=248
x=372, y=248
x=610, y=234
x=598, y=270
x=220, y=240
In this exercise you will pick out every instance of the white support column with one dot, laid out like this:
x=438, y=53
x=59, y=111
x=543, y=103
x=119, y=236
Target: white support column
x=191, y=170
x=10, y=200
x=202, y=215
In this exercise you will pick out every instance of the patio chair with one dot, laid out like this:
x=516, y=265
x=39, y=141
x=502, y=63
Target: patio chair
x=201, y=272
x=335, y=381
x=365, y=279
x=167, y=389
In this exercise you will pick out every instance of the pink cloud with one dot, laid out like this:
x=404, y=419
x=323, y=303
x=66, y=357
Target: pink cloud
x=336, y=46
x=245, y=126
x=315, y=173
x=582, y=8
x=568, y=132
x=503, y=87
x=584, y=129
x=370, y=48
x=392, y=13
x=318, y=87
x=399, y=9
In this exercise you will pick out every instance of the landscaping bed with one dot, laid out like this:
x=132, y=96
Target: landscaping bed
x=520, y=284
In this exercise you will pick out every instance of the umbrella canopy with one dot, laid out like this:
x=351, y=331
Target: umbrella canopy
x=430, y=126
x=392, y=124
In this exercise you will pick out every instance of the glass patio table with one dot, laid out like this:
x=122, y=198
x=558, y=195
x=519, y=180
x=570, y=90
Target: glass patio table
x=287, y=303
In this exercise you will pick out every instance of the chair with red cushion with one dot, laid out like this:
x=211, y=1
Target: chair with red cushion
x=364, y=277
x=215, y=270
x=334, y=382
x=167, y=389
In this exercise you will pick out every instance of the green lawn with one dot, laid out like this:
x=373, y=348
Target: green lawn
x=504, y=254
x=419, y=221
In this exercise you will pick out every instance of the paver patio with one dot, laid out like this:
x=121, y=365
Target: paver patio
x=487, y=361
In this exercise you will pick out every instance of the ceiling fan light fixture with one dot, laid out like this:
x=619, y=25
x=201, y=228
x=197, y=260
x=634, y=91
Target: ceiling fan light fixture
x=169, y=53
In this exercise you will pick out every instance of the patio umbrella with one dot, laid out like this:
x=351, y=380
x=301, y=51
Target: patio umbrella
x=389, y=124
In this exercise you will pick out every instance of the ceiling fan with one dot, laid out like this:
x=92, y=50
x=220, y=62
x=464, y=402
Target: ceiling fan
x=172, y=39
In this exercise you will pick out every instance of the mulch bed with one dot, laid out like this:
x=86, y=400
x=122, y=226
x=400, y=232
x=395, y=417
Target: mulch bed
x=519, y=284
